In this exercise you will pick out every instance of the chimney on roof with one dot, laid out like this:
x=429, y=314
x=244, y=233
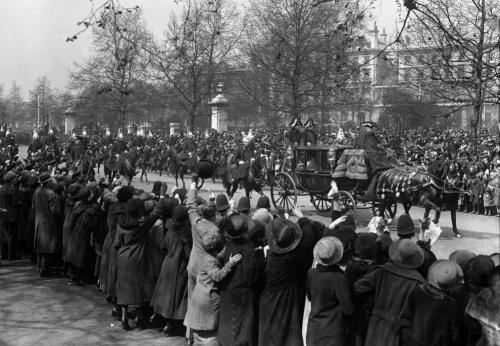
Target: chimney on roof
x=375, y=36
x=383, y=37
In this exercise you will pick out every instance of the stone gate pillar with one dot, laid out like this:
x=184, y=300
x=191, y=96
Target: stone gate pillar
x=218, y=106
x=69, y=120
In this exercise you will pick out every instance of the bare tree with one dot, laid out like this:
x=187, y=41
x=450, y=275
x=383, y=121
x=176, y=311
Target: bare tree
x=452, y=52
x=15, y=104
x=115, y=72
x=198, y=45
x=303, y=47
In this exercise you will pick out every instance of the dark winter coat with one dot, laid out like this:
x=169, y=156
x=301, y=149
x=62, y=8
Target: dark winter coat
x=170, y=295
x=46, y=210
x=281, y=306
x=328, y=291
x=68, y=212
x=135, y=280
x=10, y=199
x=109, y=266
x=390, y=286
x=355, y=270
x=85, y=219
x=238, y=296
x=433, y=318
x=26, y=197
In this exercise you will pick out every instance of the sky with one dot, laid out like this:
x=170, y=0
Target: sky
x=33, y=35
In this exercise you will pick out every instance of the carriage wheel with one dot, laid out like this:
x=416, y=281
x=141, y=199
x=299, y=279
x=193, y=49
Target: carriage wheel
x=389, y=211
x=343, y=200
x=321, y=203
x=283, y=191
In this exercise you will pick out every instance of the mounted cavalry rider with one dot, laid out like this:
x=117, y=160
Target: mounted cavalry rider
x=76, y=149
x=108, y=138
x=36, y=144
x=51, y=138
x=119, y=145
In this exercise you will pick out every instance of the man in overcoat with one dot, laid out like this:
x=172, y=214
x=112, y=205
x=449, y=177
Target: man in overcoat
x=390, y=286
x=47, y=232
x=10, y=201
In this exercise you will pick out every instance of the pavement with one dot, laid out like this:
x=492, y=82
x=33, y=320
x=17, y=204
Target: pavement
x=45, y=311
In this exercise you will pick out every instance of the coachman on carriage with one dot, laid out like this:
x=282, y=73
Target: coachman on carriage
x=340, y=177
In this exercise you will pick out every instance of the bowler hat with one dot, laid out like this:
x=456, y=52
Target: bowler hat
x=405, y=253
x=45, y=178
x=283, y=235
x=221, y=202
x=405, y=225
x=84, y=193
x=9, y=176
x=180, y=215
x=243, y=204
x=156, y=188
x=328, y=251
x=445, y=275
x=124, y=193
x=135, y=206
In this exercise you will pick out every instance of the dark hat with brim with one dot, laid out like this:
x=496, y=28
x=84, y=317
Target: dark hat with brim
x=45, y=178
x=328, y=251
x=221, y=202
x=283, y=235
x=445, y=275
x=405, y=253
x=405, y=225
x=9, y=176
x=180, y=215
x=243, y=204
x=239, y=227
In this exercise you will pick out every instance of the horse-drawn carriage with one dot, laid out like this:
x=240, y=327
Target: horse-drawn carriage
x=310, y=171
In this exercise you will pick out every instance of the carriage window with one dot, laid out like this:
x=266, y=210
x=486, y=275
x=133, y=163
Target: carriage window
x=324, y=165
x=311, y=160
x=301, y=162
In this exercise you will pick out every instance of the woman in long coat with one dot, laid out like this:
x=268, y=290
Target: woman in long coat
x=281, y=308
x=47, y=234
x=170, y=295
x=135, y=282
x=237, y=290
x=70, y=202
x=109, y=266
x=85, y=220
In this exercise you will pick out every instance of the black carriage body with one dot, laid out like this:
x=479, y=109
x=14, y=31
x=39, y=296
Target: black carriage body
x=313, y=167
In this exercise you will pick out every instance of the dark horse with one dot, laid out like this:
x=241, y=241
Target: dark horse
x=246, y=175
x=181, y=163
x=412, y=186
x=118, y=164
